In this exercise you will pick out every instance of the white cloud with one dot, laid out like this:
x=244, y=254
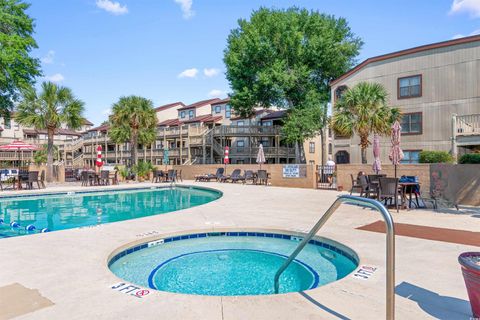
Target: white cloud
x=189, y=73
x=216, y=93
x=48, y=59
x=475, y=32
x=57, y=77
x=471, y=7
x=113, y=7
x=210, y=72
x=186, y=6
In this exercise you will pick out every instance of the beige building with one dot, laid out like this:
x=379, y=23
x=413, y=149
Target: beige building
x=437, y=88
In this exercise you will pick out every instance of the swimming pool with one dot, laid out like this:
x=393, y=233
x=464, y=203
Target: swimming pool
x=231, y=263
x=60, y=211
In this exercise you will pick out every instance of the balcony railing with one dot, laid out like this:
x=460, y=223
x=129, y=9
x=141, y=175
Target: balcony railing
x=247, y=130
x=468, y=125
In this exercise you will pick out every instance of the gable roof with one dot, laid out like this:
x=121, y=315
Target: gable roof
x=85, y=122
x=255, y=114
x=275, y=115
x=168, y=106
x=405, y=52
x=200, y=104
x=222, y=101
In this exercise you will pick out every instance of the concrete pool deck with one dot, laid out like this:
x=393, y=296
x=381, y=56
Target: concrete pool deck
x=69, y=268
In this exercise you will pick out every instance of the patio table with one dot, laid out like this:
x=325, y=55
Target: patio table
x=408, y=187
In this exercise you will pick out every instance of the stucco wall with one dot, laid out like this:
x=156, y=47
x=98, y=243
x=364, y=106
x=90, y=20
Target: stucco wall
x=276, y=172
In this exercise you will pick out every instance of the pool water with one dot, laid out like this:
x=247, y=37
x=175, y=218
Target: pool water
x=72, y=210
x=230, y=265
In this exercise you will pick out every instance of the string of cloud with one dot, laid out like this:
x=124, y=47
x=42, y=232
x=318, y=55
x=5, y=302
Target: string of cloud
x=116, y=8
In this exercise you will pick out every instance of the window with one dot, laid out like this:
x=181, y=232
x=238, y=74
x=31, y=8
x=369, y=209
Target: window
x=228, y=111
x=411, y=156
x=240, y=123
x=182, y=114
x=410, y=87
x=342, y=156
x=240, y=143
x=267, y=123
x=218, y=109
x=8, y=123
x=312, y=162
x=412, y=123
x=311, y=147
x=191, y=114
x=330, y=148
x=340, y=91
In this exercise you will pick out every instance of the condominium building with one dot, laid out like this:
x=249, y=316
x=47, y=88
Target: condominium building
x=198, y=134
x=436, y=87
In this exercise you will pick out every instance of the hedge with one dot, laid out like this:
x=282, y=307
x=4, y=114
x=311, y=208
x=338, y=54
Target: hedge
x=435, y=157
x=469, y=158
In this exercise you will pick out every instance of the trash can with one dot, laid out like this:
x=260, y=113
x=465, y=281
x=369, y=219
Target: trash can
x=470, y=262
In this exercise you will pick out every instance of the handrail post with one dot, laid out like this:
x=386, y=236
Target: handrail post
x=390, y=245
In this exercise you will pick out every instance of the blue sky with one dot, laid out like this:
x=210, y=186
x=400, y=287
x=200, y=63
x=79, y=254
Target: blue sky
x=172, y=50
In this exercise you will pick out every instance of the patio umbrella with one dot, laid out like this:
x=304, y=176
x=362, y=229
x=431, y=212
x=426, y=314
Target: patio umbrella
x=260, y=156
x=99, y=162
x=166, y=160
x=226, y=159
x=377, y=165
x=18, y=146
x=396, y=153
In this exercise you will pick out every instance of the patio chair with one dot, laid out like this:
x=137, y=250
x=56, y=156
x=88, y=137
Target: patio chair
x=388, y=191
x=41, y=179
x=179, y=175
x=171, y=176
x=104, y=178
x=355, y=185
x=249, y=175
x=84, y=178
x=237, y=176
x=262, y=177
x=363, y=182
x=218, y=176
x=31, y=178
x=115, y=178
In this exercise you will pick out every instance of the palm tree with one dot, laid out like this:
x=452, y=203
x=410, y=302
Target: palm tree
x=53, y=107
x=363, y=110
x=133, y=120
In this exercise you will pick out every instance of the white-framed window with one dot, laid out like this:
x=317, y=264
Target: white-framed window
x=240, y=123
x=228, y=111
x=218, y=109
x=191, y=114
x=311, y=147
x=182, y=114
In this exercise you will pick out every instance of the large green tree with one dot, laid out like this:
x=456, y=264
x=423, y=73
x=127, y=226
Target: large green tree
x=286, y=58
x=17, y=68
x=363, y=110
x=55, y=106
x=133, y=120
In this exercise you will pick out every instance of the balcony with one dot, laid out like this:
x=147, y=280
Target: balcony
x=468, y=125
x=246, y=131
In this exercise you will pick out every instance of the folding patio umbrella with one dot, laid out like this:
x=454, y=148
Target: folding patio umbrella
x=396, y=153
x=377, y=165
x=18, y=146
x=226, y=159
x=260, y=155
x=99, y=161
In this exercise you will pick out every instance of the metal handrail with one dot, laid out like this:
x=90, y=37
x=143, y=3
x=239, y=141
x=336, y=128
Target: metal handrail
x=390, y=264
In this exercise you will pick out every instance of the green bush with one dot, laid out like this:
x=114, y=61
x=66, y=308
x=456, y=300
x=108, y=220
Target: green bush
x=143, y=169
x=470, y=158
x=435, y=157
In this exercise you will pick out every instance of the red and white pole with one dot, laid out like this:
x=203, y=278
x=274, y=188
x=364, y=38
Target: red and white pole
x=99, y=161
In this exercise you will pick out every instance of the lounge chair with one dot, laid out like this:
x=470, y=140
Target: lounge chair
x=218, y=176
x=237, y=176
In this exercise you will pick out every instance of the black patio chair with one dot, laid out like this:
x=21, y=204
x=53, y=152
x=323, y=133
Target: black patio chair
x=104, y=179
x=171, y=176
x=237, y=176
x=41, y=179
x=249, y=175
x=218, y=176
x=388, y=191
x=32, y=177
x=355, y=185
x=179, y=175
x=262, y=177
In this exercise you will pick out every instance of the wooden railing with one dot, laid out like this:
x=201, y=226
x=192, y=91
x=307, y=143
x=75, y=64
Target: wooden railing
x=468, y=125
x=247, y=130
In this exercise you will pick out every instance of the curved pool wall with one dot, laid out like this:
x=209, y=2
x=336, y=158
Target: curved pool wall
x=33, y=213
x=231, y=263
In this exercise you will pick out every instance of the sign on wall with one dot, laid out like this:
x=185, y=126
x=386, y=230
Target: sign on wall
x=294, y=171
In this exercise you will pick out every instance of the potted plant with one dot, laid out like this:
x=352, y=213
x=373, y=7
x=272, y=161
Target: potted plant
x=124, y=173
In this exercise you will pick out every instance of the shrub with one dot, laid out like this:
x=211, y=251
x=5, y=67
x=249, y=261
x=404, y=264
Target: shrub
x=143, y=169
x=470, y=158
x=435, y=157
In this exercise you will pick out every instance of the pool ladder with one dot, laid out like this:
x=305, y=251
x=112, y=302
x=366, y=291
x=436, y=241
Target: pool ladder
x=390, y=263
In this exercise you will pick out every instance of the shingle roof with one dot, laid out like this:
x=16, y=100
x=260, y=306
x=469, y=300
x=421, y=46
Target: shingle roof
x=275, y=115
x=200, y=104
x=65, y=132
x=222, y=101
x=168, y=106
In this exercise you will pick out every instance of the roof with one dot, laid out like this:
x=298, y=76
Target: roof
x=255, y=113
x=169, y=122
x=222, y=101
x=170, y=105
x=65, y=132
x=85, y=122
x=200, y=104
x=405, y=52
x=275, y=115
x=204, y=118
x=103, y=127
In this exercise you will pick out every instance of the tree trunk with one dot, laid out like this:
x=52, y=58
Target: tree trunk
x=364, y=155
x=297, y=152
x=49, y=175
x=133, y=147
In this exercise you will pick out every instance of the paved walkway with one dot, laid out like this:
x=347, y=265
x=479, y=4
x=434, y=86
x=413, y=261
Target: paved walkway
x=66, y=271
